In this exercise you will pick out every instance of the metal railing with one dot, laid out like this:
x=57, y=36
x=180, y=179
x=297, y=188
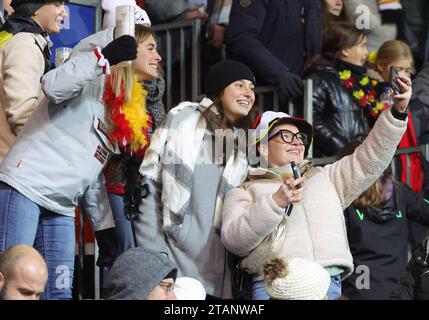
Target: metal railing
x=187, y=35
x=423, y=149
x=176, y=39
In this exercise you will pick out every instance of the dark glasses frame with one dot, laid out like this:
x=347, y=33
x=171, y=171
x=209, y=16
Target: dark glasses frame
x=301, y=137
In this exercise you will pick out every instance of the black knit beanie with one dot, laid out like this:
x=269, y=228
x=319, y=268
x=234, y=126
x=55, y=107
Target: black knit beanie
x=28, y=8
x=223, y=73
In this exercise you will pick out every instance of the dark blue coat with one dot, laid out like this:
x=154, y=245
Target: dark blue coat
x=274, y=36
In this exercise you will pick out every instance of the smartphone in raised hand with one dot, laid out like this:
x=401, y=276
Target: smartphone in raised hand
x=393, y=80
x=296, y=173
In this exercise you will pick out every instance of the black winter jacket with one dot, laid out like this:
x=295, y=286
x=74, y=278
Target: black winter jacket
x=337, y=119
x=378, y=239
x=414, y=282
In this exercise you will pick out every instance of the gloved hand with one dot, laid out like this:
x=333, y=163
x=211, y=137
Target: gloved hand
x=107, y=244
x=291, y=85
x=122, y=49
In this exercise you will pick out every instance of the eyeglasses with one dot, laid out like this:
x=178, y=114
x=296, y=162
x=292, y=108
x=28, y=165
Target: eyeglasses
x=288, y=136
x=167, y=286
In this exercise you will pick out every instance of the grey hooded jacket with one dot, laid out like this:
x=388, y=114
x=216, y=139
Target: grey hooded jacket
x=59, y=154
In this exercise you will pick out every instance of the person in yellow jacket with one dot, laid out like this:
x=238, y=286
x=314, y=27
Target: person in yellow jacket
x=24, y=59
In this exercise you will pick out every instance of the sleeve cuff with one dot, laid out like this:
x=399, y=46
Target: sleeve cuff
x=399, y=115
x=279, y=210
x=102, y=61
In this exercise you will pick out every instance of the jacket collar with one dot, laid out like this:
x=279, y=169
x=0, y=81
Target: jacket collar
x=343, y=65
x=17, y=23
x=268, y=173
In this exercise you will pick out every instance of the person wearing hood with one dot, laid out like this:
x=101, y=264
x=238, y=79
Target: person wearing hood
x=24, y=59
x=145, y=274
x=141, y=274
x=304, y=217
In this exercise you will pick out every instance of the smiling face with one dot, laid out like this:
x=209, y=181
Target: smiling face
x=147, y=63
x=50, y=16
x=280, y=153
x=238, y=99
x=356, y=54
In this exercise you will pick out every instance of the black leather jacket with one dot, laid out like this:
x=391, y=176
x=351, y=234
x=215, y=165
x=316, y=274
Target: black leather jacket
x=338, y=120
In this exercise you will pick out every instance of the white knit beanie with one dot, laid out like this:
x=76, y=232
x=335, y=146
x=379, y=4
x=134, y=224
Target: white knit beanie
x=303, y=280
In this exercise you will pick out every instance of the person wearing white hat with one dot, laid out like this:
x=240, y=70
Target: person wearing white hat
x=296, y=279
x=309, y=209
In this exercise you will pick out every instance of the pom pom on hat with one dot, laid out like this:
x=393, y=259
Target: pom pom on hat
x=296, y=279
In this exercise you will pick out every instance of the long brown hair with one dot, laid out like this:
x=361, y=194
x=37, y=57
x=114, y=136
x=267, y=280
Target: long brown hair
x=339, y=35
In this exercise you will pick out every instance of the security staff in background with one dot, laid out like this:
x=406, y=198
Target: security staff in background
x=275, y=38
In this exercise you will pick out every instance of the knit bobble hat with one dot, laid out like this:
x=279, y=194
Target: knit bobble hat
x=296, y=279
x=223, y=73
x=136, y=273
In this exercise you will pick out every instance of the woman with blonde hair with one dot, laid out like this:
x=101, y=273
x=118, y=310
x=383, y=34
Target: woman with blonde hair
x=91, y=111
x=397, y=54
